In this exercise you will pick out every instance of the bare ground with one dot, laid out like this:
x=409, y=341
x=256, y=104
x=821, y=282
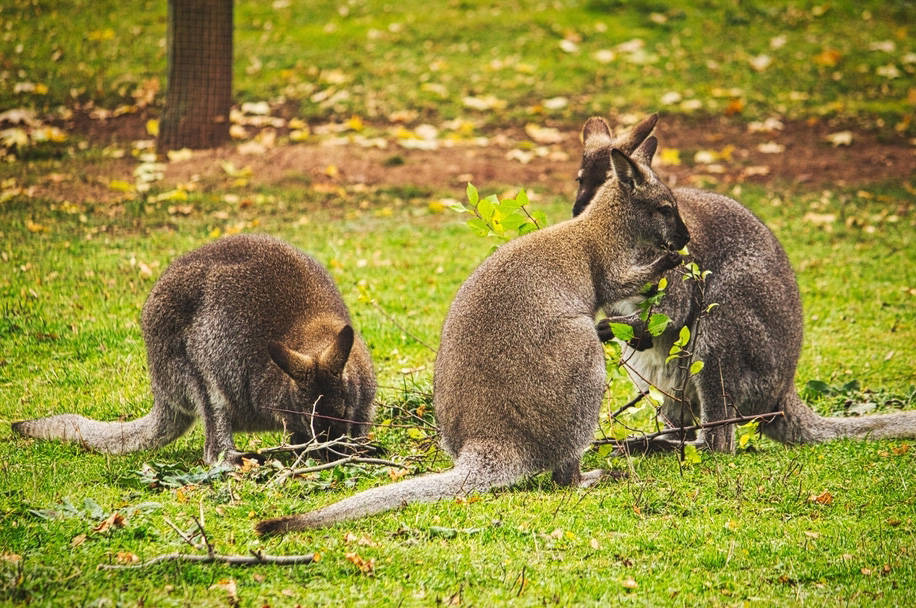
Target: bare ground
x=799, y=154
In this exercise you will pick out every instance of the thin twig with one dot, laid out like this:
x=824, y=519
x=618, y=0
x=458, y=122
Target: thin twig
x=290, y=472
x=183, y=535
x=395, y=322
x=256, y=557
x=629, y=404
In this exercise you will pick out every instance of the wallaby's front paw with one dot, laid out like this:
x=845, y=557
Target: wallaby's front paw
x=641, y=341
x=604, y=330
x=669, y=260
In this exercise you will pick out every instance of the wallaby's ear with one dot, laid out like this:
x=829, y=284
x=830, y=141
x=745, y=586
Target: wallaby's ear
x=646, y=150
x=595, y=128
x=628, y=142
x=297, y=366
x=625, y=169
x=335, y=356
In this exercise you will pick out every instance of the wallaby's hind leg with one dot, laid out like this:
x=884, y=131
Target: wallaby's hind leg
x=716, y=404
x=569, y=474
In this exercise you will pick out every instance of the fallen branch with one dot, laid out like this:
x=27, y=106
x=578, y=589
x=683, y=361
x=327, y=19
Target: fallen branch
x=256, y=557
x=767, y=417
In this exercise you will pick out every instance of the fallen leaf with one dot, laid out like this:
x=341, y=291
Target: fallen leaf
x=365, y=566
x=543, y=135
x=828, y=57
x=126, y=557
x=115, y=520
x=152, y=127
x=735, y=106
x=840, y=138
x=229, y=586
x=760, y=62
x=771, y=147
x=824, y=498
x=78, y=540
x=629, y=583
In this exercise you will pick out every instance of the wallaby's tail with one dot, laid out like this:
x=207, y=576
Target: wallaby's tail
x=802, y=425
x=154, y=430
x=472, y=473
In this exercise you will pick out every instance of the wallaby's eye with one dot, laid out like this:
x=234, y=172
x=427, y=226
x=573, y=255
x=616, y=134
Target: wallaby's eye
x=666, y=211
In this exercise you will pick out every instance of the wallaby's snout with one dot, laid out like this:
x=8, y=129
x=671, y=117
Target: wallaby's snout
x=681, y=235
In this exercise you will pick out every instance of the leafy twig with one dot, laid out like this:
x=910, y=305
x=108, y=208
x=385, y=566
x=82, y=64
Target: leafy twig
x=767, y=417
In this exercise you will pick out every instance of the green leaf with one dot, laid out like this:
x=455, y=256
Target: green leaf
x=692, y=454
x=472, y=194
x=696, y=367
x=655, y=396
x=658, y=322
x=487, y=207
x=622, y=331
x=480, y=227
x=683, y=336
x=458, y=207
x=711, y=306
x=415, y=433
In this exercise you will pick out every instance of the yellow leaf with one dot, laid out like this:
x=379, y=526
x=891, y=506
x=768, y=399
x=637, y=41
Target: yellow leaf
x=298, y=135
x=41, y=89
x=355, y=123
x=120, y=185
x=670, y=156
x=215, y=233
x=35, y=227
x=828, y=57
x=101, y=35
x=152, y=127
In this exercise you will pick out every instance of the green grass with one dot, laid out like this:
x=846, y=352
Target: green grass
x=332, y=60
x=727, y=531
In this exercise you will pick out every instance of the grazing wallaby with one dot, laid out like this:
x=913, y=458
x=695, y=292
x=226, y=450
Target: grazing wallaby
x=249, y=334
x=750, y=343
x=520, y=371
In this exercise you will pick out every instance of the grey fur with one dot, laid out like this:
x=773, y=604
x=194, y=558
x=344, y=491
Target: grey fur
x=219, y=324
x=520, y=371
x=751, y=342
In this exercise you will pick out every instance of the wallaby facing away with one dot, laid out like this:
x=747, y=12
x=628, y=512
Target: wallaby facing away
x=249, y=334
x=750, y=343
x=520, y=372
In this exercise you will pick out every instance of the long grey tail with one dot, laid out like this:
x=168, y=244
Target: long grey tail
x=473, y=472
x=154, y=430
x=802, y=425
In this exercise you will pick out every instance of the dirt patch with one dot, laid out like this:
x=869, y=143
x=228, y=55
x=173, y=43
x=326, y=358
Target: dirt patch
x=699, y=151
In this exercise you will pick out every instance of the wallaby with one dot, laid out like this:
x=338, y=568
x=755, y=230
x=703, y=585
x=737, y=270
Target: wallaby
x=520, y=372
x=749, y=343
x=249, y=334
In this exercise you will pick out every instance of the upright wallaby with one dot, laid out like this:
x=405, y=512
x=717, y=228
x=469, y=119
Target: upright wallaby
x=520, y=371
x=249, y=334
x=750, y=343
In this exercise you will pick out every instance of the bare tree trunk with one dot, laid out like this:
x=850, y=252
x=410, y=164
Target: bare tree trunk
x=199, y=92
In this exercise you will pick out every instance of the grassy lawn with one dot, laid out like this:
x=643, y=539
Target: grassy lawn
x=726, y=530
x=768, y=526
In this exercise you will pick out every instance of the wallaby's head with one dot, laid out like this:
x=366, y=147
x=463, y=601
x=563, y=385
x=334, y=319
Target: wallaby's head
x=622, y=168
x=320, y=383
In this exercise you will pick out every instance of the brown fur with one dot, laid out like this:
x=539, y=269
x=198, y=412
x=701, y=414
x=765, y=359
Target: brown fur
x=750, y=343
x=246, y=333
